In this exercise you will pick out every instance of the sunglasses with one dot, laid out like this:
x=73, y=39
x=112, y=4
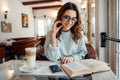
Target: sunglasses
x=68, y=18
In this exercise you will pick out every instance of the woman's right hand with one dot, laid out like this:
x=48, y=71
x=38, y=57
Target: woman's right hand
x=55, y=29
x=67, y=60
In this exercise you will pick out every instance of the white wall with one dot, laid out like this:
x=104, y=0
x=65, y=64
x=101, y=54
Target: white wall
x=14, y=16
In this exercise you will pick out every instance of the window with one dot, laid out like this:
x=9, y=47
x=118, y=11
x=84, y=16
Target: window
x=41, y=27
x=44, y=25
x=88, y=16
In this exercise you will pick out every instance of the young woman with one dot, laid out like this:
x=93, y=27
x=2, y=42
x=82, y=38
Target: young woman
x=66, y=43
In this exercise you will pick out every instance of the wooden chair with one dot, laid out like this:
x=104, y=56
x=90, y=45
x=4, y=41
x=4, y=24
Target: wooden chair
x=42, y=41
x=2, y=53
x=91, y=52
x=20, y=45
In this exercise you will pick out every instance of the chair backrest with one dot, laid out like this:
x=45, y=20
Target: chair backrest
x=2, y=52
x=42, y=41
x=91, y=52
x=20, y=45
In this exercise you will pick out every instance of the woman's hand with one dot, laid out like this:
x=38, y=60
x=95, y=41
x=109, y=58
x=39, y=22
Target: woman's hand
x=55, y=29
x=67, y=60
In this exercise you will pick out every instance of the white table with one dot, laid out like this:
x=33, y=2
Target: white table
x=9, y=70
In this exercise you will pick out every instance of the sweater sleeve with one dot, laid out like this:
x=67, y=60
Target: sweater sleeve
x=52, y=53
x=81, y=51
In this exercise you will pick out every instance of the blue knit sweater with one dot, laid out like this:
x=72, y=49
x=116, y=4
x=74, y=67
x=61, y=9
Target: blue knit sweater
x=65, y=47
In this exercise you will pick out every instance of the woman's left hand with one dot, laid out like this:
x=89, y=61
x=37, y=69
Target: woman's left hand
x=67, y=60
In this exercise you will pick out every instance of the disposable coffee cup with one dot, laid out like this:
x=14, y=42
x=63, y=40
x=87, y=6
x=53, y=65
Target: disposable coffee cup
x=31, y=56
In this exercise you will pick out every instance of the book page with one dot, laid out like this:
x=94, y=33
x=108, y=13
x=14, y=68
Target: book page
x=95, y=65
x=75, y=66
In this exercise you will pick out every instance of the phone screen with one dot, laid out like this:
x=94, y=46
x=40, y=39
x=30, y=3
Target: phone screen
x=55, y=68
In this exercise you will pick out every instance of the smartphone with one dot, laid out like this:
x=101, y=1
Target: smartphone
x=55, y=68
x=59, y=24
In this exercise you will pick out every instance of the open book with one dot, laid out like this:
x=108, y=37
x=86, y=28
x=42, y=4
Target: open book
x=84, y=67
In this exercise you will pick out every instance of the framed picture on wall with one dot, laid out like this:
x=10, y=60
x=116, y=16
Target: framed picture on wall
x=6, y=27
x=24, y=20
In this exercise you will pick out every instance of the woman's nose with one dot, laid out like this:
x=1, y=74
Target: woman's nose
x=70, y=21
